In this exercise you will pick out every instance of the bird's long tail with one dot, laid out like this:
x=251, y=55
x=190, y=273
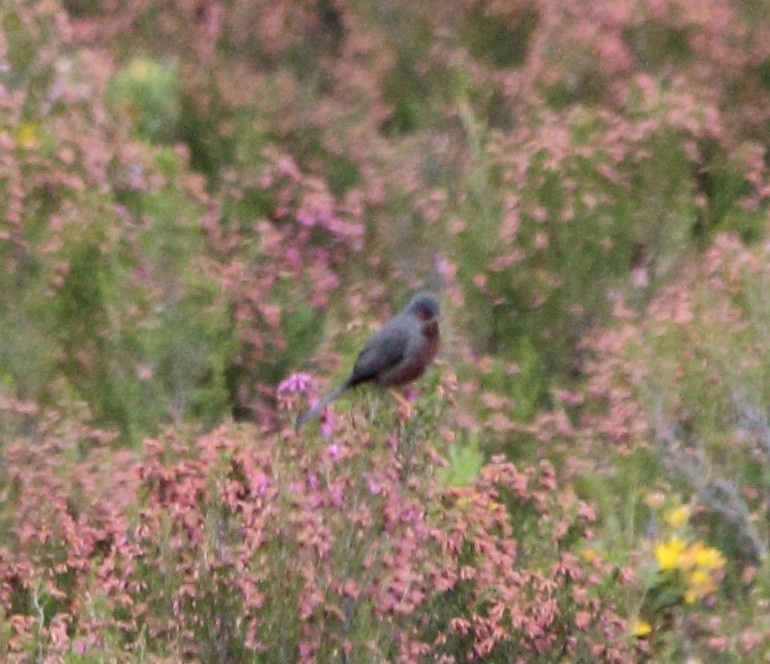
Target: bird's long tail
x=315, y=410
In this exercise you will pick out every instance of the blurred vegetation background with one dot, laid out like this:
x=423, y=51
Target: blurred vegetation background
x=202, y=197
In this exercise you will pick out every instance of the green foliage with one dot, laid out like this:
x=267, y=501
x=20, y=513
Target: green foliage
x=198, y=198
x=623, y=521
x=495, y=39
x=465, y=462
x=210, y=152
x=582, y=235
x=148, y=93
x=109, y=305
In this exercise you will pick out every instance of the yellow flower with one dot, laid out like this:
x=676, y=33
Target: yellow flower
x=701, y=556
x=26, y=134
x=708, y=558
x=687, y=559
x=668, y=553
x=699, y=584
x=140, y=69
x=589, y=555
x=641, y=628
x=678, y=516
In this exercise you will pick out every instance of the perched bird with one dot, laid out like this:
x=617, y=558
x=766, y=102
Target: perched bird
x=396, y=354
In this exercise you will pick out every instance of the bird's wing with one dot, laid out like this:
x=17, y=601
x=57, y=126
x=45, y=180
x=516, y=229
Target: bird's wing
x=384, y=349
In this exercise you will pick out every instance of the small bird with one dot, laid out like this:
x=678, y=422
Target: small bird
x=396, y=354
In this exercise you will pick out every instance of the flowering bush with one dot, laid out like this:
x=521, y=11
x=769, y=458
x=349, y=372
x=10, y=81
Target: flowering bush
x=684, y=400
x=199, y=199
x=242, y=546
x=545, y=176
x=685, y=569
x=105, y=296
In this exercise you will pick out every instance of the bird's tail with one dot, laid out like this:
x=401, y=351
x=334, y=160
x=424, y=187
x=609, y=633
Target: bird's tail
x=315, y=410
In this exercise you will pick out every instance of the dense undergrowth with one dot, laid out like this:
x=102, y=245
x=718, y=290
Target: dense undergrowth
x=202, y=201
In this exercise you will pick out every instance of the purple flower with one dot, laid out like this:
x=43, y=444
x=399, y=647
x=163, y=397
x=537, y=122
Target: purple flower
x=259, y=484
x=442, y=266
x=334, y=451
x=336, y=491
x=305, y=650
x=305, y=217
x=374, y=487
x=297, y=383
x=327, y=423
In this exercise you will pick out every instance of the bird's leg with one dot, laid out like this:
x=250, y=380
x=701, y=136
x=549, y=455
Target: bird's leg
x=405, y=407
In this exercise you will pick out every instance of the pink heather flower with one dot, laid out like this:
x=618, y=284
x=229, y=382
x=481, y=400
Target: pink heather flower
x=305, y=650
x=297, y=383
x=336, y=491
x=265, y=180
x=136, y=171
x=305, y=217
x=327, y=424
x=286, y=166
x=442, y=266
x=568, y=397
x=259, y=484
x=374, y=488
x=315, y=500
x=333, y=451
x=293, y=257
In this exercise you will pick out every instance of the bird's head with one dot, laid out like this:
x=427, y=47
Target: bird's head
x=425, y=306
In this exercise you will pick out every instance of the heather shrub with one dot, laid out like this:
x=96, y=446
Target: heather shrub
x=237, y=545
x=198, y=199
x=549, y=181
x=690, y=392
x=279, y=241
x=107, y=299
x=581, y=206
x=671, y=387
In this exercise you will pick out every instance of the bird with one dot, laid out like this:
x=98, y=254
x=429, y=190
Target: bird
x=396, y=354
